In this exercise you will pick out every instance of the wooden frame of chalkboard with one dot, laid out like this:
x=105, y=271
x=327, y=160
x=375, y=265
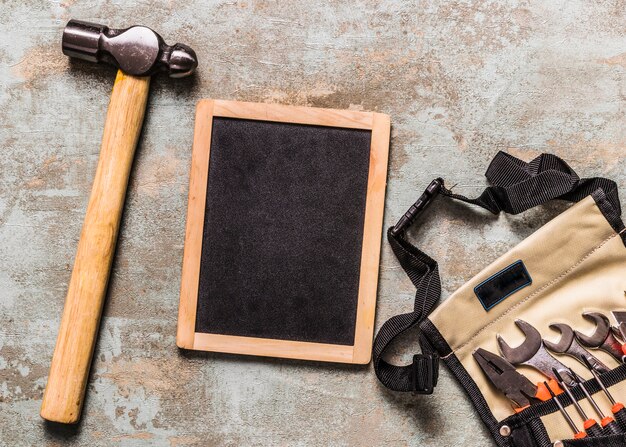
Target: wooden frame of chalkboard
x=360, y=351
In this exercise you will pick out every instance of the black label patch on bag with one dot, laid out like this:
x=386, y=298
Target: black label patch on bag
x=503, y=284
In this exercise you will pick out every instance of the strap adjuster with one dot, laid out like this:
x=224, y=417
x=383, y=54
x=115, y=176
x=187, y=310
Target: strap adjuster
x=424, y=374
x=420, y=205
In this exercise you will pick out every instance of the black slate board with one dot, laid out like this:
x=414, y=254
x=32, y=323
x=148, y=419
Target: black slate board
x=283, y=231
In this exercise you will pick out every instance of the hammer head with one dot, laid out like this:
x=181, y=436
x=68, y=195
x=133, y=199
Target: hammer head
x=137, y=51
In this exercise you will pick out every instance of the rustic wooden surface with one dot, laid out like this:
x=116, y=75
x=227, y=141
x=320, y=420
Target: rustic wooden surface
x=460, y=79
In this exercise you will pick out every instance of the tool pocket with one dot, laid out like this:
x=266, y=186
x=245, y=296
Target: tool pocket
x=532, y=296
x=540, y=425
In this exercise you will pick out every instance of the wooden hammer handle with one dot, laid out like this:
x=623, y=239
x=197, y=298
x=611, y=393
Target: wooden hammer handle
x=63, y=397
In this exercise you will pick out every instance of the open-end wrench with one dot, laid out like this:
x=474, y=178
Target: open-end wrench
x=533, y=353
x=620, y=330
x=603, y=337
x=568, y=345
x=620, y=317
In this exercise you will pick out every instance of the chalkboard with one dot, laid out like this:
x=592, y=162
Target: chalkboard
x=283, y=231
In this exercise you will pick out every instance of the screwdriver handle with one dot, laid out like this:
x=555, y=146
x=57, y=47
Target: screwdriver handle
x=610, y=426
x=580, y=435
x=619, y=412
x=592, y=428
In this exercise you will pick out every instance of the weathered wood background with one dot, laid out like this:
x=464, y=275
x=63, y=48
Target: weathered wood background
x=460, y=79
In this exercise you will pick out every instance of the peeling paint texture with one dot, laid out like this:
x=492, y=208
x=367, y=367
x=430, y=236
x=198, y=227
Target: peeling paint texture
x=461, y=79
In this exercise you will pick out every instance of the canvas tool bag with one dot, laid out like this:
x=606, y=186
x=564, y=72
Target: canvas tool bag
x=575, y=263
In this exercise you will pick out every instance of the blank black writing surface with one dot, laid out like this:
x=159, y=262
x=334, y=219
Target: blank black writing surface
x=283, y=231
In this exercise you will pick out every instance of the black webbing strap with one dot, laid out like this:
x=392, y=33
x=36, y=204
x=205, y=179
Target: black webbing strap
x=516, y=186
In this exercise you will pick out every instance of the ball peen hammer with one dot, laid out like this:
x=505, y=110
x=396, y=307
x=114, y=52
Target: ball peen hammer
x=138, y=52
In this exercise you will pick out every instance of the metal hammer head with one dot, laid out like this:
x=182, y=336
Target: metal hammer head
x=137, y=50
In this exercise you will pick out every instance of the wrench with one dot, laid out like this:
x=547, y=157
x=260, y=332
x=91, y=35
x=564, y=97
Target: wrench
x=568, y=345
x=603, y=337
x=620, y=330
x=533, y=353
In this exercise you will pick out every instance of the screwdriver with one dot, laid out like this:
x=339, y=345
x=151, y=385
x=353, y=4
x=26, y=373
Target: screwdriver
x=607, y=422
x=618, y=408
x=591, y=426
x=577, y=434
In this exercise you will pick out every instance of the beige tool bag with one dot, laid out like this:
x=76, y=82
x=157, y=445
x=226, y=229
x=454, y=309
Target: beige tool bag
x=575, y=264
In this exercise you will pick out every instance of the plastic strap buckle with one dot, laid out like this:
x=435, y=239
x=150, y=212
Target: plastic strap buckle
x=425, y=372
x=420, y=205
